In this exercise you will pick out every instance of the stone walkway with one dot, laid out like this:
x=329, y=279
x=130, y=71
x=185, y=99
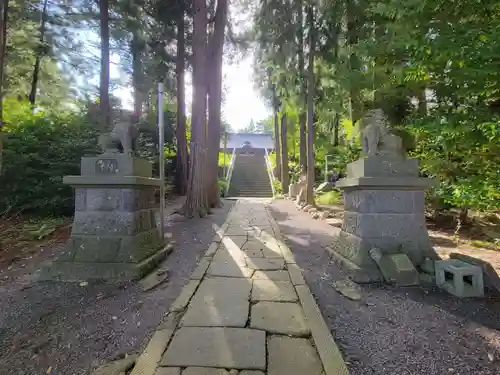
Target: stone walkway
x=246, y=310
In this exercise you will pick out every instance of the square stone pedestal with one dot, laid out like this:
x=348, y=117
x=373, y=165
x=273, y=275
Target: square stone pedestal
x=384, y=209
x=114, y=234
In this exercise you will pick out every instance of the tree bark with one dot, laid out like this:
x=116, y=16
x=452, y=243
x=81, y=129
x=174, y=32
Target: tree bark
x=180, y=133
x=104, y=75
x=216, y=49
x=310, y=109
x=4, y=11
x=284, y=155
x=336, y=126
x=277, y=148
x=196, y=199
x=137, y=76
x=303, y=94
x=41, y=51
x=353, y=23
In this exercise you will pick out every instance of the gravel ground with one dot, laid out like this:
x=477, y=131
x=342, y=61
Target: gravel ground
x=400, y=331
x=72, y=329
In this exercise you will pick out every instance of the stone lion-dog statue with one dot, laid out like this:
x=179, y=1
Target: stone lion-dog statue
x=376, y=138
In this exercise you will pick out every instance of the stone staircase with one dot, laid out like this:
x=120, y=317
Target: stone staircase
x=250, y=177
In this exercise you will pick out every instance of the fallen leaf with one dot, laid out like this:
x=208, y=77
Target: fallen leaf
x=491, y=357
x=49, y=370
x=84, y=283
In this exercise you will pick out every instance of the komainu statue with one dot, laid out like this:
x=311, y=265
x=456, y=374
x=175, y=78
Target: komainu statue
x=122, y=138
x=376, y=138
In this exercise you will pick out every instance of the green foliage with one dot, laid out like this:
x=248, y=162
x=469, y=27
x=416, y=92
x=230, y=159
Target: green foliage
x=433, y=72
x=329, y=198
x=42, y=148
x=278, y=189
x=224, y=162
x=223, y=185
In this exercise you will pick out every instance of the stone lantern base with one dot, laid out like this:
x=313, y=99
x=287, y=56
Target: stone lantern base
x=384, y=209
x=114, y=234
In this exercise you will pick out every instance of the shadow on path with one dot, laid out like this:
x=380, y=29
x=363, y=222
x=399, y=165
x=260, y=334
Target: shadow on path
x=393, y=331
x=72, y=328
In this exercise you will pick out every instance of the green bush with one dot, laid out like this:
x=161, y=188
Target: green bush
x=223, y=185
x=42, y=148
x=278, y=190
x=329, y=198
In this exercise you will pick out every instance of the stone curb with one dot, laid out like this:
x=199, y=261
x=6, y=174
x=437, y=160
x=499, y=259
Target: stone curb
x=200, y=270
x=187, y=292
x=295, y=274
x=328, y=351
x=151, y=356
x=148, y=361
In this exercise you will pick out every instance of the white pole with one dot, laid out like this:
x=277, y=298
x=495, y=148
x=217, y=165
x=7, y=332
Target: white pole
x=161, y=163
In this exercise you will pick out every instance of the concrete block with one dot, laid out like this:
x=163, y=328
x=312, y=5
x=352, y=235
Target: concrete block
x=490, y=276
x=396, y=268
x=459, y=278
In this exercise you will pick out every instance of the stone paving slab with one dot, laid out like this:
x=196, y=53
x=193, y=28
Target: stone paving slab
x=274, y=291
x=279, y=317
x=204, y=371
x=225, y=264
x=279, y=275
x=245, y=311
x=236, y=348
x=238, y=241
x=168, y=371
x=265, y=264
x=292, y=356
x=219, y=302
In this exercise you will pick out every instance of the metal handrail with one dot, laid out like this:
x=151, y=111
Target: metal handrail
x=230, y=171
x=270, y=172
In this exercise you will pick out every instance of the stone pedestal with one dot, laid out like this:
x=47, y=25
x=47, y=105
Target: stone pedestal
x=114, y=234
x=384, y=209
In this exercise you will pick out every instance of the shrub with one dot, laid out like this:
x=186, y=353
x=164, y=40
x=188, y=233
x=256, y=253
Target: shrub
x=329, y=198
x=278, y=190
x=223, y=185
x=42, y=148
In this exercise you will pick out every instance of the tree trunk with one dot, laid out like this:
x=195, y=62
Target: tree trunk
x=336, y=126
x=277, y=148
x=196, y=199
x=354, y=65
x=41, y=51
x=216, y=49
x=104, y=76
x=4, y=10
x=422, y=102
x=137, y=76
x=310, y=109
x=284, y=155
x=303, y=91
x=180, y=134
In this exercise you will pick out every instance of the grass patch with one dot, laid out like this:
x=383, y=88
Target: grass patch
x=329, y=198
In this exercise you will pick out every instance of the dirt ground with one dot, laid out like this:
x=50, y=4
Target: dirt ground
x=394, y=331
x=64, y=328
